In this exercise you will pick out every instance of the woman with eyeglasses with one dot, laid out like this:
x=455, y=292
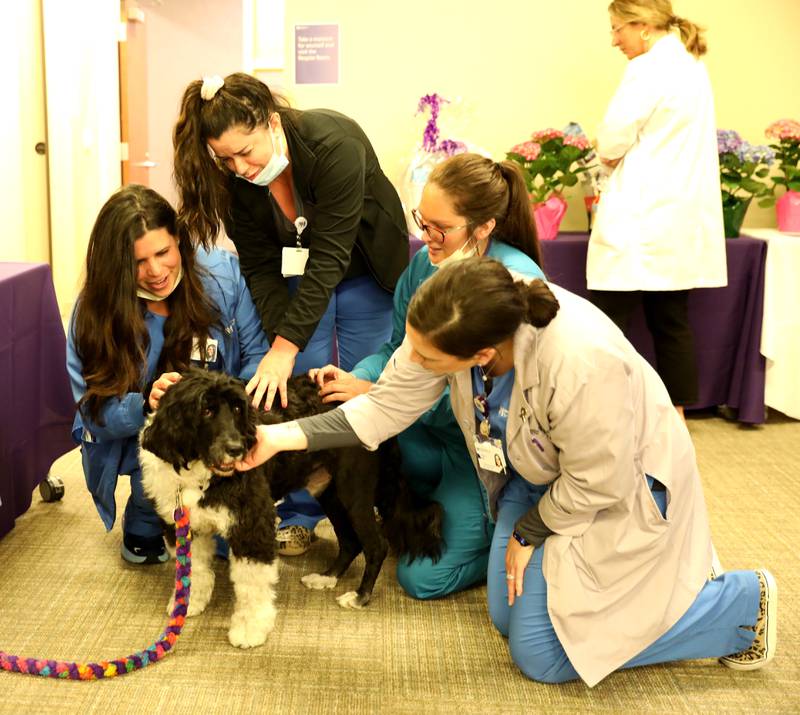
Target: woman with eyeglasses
x=318, y=227
x=470, y=206
x=658, y=231
x=602, y=553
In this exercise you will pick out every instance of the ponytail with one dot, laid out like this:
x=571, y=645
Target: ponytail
x=518, y=227
x=692, y=36
x=204, y=201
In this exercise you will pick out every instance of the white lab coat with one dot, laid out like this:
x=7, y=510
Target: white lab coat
x=619, y=575
x=659, y=221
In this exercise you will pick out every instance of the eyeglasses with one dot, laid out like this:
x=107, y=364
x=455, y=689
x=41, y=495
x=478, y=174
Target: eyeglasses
x=437, y=235
x=615, y=30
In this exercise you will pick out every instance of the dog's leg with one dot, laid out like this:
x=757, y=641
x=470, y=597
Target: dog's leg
x=349, y=545
x=362, y=517
x=202, y=585
x=254, y=611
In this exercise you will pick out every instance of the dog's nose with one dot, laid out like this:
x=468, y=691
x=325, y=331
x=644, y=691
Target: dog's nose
x=235, y=448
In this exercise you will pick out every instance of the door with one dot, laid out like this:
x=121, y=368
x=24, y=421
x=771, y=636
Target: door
x=23, y=178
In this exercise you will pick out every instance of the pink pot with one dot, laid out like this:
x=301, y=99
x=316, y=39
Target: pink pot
x=788, y=210
x=547, y=216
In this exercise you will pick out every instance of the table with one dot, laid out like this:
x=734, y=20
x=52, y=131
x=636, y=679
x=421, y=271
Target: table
x=780, y=333
x=36, y=408
x=726, y=322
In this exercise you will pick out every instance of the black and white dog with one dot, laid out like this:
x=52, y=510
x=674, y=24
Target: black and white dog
x=204, y=424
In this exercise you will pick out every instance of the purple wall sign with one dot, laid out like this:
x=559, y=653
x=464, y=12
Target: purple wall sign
x=316, y=54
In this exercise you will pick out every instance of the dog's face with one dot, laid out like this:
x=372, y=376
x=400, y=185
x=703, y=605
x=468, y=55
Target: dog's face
x=206, y=416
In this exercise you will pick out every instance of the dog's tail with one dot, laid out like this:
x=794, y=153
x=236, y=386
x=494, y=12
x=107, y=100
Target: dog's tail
x=412, y=524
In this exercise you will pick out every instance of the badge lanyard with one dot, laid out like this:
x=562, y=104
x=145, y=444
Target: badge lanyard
x=293, y=260
x=488, y=450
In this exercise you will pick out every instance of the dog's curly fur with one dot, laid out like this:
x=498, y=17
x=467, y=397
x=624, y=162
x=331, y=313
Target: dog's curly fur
x=204, y=423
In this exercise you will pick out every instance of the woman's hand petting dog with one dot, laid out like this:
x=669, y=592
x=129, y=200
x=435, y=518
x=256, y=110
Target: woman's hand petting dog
x=160, y=386
x=271, y=439
x=337, y=385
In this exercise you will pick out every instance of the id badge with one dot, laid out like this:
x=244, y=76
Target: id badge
x=293, y=261
x=212, y=348
x=490, y=455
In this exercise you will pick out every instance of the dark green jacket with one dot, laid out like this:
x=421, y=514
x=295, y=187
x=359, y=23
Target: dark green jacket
x=351, y=208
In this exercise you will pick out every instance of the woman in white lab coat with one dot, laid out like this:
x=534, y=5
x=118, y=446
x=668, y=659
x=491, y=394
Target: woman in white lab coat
x=658, y=231
x=601, y=552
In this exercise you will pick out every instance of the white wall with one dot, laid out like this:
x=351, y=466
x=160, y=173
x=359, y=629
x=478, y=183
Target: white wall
x=82, y=90
x=23, y=174
x=186, y=39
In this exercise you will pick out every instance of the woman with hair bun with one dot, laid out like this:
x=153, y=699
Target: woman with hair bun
x=602, y=551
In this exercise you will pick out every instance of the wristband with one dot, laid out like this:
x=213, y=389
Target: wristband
x=520, y=538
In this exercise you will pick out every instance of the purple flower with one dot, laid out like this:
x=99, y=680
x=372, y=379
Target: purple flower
x=728, y=141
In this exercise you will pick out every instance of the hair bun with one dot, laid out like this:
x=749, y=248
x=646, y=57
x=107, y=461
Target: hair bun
x=211, y=85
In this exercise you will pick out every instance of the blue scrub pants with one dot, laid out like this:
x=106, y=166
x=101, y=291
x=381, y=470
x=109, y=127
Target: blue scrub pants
x=437, y=465
x=709, y=629
x=357, y=322
x=140, y=517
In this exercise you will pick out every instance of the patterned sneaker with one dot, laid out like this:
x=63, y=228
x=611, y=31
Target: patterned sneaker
x=293, y=540
x=763, y=648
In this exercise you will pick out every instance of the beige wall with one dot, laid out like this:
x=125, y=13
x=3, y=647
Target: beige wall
x=521, y=66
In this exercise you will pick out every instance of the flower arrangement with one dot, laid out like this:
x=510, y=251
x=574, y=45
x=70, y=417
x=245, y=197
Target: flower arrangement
x=430, y=138
x=786, y=132
x=743, y=168
x=552, y=160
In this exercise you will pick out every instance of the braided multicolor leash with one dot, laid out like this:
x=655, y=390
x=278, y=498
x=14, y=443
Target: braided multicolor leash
x=151, y=654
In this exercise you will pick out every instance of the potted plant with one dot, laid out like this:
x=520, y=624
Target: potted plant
x=743, y=169
x=551, y=160
x=787, y=150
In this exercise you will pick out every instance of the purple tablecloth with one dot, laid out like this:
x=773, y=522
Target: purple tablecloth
x=726, y=322
x=36, y=408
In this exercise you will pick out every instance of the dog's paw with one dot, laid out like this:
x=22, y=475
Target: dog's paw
x=351, y=599
x=248, y=633
x=318, y=582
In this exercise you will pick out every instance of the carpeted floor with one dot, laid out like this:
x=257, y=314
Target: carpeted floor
x=66, y=594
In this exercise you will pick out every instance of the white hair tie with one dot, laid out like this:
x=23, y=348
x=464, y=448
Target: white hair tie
x=211, y=85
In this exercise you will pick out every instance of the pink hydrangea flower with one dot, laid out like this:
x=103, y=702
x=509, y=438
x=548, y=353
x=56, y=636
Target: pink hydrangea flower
x=527, y=150
x=579, y=141
x=784, y=129
x=545, y=134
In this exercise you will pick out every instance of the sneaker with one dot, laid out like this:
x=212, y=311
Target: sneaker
x=293, y=540
x=143, y=549
x=762, y=649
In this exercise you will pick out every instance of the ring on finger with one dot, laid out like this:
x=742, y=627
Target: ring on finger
x=509, y=577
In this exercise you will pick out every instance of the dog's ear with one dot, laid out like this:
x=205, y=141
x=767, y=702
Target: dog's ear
x=173, y=430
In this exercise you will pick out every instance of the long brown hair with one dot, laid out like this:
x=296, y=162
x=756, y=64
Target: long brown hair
x=204, y=199
x=111, y=337
x=476, y=303
x=658, y=13
x=482, y=189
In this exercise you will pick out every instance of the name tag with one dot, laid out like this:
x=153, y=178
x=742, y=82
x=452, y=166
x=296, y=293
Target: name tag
x=293, y=261
x=490, y=455
x=212, y=347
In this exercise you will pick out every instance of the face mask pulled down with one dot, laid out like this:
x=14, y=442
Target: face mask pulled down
x=147, y=295
x=275, y=166
x=467, y=249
